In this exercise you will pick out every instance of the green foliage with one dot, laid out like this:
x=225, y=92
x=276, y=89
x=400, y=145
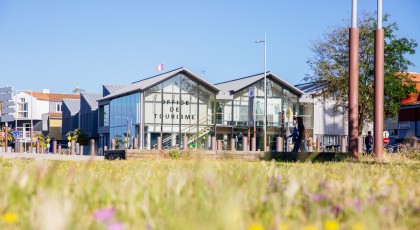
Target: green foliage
x=330, y=65
x=175, y=154
x=9, y=137
x=39, y=137
x=80, y=136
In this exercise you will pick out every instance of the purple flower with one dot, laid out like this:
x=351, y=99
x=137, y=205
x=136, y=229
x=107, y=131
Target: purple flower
x=336, y=210
x=104, y=214
x=115, y=226
x=357, y=204
x=319, y=197
x=264, y=198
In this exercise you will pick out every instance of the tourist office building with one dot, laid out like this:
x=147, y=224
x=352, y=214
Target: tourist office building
x=179, y=105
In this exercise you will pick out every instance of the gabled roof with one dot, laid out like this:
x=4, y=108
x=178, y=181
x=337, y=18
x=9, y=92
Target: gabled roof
x=233, y=86
x=111, y=88
x=309, y=87
x=56, y=115
x=152, y=81
x=73, y=105
x=92, y=99
x=53, y=96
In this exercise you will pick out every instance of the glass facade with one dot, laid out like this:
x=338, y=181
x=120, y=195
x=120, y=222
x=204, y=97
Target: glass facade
x=178, y=107
x=123, y=118
x=183, y=107
x=238, y=112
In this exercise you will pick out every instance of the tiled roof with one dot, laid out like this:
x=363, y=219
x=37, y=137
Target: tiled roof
x=53, y=96
x=152, y=81
x=73, y=105
x=55, y=115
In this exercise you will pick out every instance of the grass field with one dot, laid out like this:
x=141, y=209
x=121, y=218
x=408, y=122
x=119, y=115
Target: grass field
x=209, y=194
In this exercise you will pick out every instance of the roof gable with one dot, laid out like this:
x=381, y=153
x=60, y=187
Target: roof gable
x=237, y=85
x=152, y=81
x=91, y=99
x=73, y=105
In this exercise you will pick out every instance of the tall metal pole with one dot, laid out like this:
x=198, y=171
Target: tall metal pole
x=379, y=85
x=354, y=83
x=265, y=92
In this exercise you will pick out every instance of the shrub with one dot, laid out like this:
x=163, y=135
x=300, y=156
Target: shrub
x=175, y=154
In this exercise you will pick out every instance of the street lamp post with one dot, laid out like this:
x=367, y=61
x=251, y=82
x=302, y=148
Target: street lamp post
x=265, y=90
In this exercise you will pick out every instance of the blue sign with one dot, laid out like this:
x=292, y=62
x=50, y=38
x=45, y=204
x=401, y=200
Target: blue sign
x=16, y=134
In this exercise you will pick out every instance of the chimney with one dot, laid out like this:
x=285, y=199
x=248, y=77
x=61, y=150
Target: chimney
x=45, y=91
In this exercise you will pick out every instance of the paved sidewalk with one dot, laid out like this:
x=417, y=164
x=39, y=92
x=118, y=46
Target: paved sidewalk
x=50, y=156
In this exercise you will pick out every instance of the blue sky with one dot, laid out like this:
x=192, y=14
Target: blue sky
x=59, y=45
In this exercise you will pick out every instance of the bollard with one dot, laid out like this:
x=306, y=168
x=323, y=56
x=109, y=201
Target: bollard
x=185, y=144
x=159, y=143
x=213, y=143
x=310, y=147
x=279, y=144
x=318, y=144
x=77, y=148
x=54, y=147
x=113, y=144
x=16, y=146
x=253, y=144
x=413, y=142
x=59, y=149
x=135, y=143
x=232, y=144
x=244, y=143
x=343, y=144
x=219, y=145
x=37, y=147
x=21, y=147
x=360, y=145
x=105, y=148
x=80, y=149
x=92, y=147
x=73, y=147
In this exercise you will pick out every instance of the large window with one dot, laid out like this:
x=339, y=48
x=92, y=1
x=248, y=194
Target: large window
x=123, y=117
x=177, y=103
x=278, y=99
x=22, y=108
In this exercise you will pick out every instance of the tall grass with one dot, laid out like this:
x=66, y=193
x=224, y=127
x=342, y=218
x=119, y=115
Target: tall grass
x=209, y=194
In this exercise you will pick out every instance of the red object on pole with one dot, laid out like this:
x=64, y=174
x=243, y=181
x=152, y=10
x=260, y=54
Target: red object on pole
x=386, y=140
x=379, y=94
x=354, y=91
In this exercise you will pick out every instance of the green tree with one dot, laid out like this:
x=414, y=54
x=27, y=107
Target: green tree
x=330, y=66
x=80, y=136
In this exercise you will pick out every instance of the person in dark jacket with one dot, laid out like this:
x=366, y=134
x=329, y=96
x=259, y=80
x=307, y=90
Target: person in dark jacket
x=369, y=142
x=298, y=135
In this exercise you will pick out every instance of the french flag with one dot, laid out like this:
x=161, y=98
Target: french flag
x=159, y=67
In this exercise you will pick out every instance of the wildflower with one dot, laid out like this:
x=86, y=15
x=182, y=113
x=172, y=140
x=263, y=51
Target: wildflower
x=331, y=225
x=358, y=226
x=310, y=227
x=104, y=214
x=256, y=227
x=115, y=226
x=319, y=197
x=10, y=218
x=264, y=198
